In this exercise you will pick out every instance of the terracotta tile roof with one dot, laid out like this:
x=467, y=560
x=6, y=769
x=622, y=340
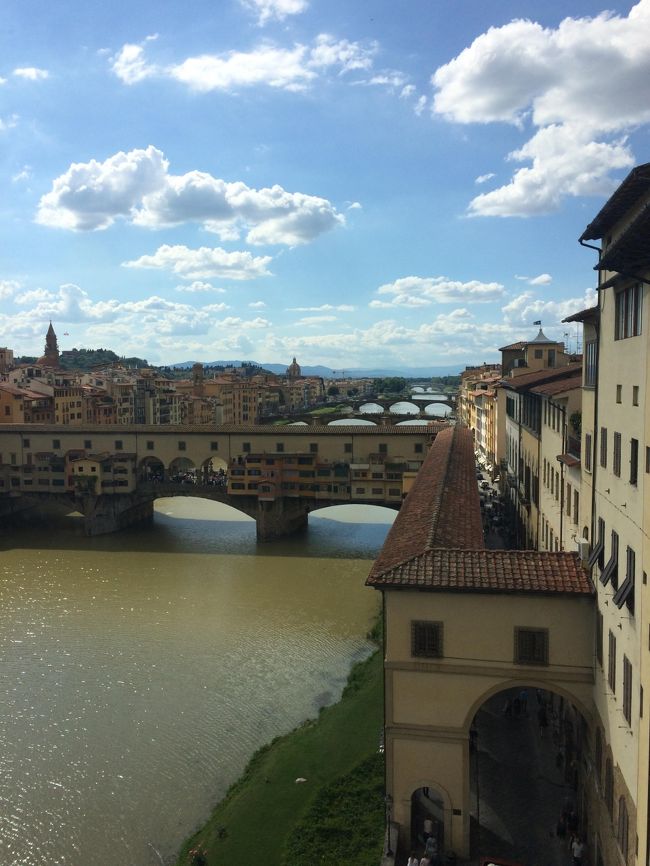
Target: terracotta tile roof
x=635, y=185
x=436, y=542
x=584, y=315
x=539, y=377
x=442, y=509
x=514, y=347
x=569, y=460
x=526, y=571
x=559, y=387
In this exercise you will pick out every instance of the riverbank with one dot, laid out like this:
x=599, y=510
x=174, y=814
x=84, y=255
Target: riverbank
x=263, y=808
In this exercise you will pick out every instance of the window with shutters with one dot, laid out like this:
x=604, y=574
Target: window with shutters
x=611, y=663
x=634, y=460
x=628, y=312
x=603, y=447
x=426, y=639
x=599, y=638
x=627, y=689
x=588, y=452
x=616, y=468
x=623, y=828
x=609, y=787
x=531, y=646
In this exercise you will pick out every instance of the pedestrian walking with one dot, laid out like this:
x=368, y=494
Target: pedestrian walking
x=413, y=860
x=523, y=698
x=577, y=851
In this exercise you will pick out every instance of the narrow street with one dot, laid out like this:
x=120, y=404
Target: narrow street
x=521, y=791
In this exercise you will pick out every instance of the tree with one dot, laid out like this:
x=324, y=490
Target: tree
x=333, y=391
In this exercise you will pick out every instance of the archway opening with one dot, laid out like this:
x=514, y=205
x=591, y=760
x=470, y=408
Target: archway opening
x=151, y=469
x=183, y=471
x=527, y=794
x=428, y=823
x=214, y=472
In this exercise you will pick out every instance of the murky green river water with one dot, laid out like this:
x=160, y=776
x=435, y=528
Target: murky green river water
x=140, y=671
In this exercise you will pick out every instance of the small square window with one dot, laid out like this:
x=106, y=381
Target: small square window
x=426, y=639
x=279, y=447
x=246, y=447
x=383, y=448
x=26, y=443
x=419, y=447
x=531, y=646
x=347, y=448
x=313, y=447
x=539, y=353
x=56, y=444
x=149, y=444
x=88, y=443
x=214, y=446
x=119, y=445
x=182, y=446
x=635, y=395
x=619, y=393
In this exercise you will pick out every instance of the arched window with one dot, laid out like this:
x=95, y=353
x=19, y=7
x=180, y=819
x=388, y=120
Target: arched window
x=623, y=827
x=609, y=787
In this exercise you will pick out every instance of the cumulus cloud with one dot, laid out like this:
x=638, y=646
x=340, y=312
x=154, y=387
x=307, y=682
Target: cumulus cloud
x=526, y=308
x=483, y=178
x=269, y=10
x=200, y=286
x=312, y=321
x=204, y=263
x=31, y=73
x=292, y=69
x=137, y=187
x=8, y=122
x=423, y=291
x=580, y=86
x=257, y=305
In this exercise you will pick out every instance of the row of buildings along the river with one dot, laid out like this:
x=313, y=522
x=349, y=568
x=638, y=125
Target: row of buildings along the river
x=569, y=439
x=44, y=393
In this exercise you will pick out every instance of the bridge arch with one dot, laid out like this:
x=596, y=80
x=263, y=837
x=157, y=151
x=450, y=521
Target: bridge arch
x=181, y=468
x=151, y=468
x=404, y=407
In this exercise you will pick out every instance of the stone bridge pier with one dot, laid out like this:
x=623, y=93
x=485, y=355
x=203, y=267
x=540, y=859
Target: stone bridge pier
x=280, y=517
x=105, y=514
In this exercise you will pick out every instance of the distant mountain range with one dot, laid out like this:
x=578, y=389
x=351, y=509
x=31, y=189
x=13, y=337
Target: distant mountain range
x=329, y=373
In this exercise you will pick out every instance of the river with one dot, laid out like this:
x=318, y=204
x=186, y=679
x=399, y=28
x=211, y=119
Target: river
x=142, y=670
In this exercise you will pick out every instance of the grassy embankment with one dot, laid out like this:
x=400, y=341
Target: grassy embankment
x=335, y=816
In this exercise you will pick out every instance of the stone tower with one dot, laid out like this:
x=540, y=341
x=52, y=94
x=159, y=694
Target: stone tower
x=50, y=357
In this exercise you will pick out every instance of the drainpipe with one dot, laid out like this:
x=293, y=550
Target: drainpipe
x=564, y=451
x=595, y=431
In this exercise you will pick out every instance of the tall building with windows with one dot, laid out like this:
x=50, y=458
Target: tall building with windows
x=614, y=517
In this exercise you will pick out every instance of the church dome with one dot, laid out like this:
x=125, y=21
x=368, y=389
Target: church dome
x=293, y=370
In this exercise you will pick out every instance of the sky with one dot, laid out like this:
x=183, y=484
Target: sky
x=357, y=184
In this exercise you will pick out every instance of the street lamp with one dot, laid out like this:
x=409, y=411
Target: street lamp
x=388, y=800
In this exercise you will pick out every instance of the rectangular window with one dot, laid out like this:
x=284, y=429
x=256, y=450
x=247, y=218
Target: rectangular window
x=418, y=447
x=182, y=446
x=599, y=638
x=603, y=447
x=119, y=445
x=531, y=646
x=279, y=447
x=635, y=395
x=557, y=484
x=377, y=491
x=246, y=447
x=214, y=446
x=634, y=461
x=149, y=444
x=616, y=468
x=576, y=506
x=625, y=593
x=347, y=448
x=628, y=312
x=619, y=393
x=590, y=363
x=611, y=663
x=56, y=444
x=426, y=639
x=383, y=448
x=610, y=572
x=313, y=447
x=588, y=451
x=627, y=689
x=568, y=499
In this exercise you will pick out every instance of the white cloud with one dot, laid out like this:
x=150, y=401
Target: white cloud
x=420, y=105
x=312, y=321
x=407, y=91
x=578, y=84
x=268, y=10
x=541, y=280
x=130, y=65
x=340, y=308
x=292, y=69
x=136, y=186
x=203, y=263
x=31, y=73
x=355, y=205
x=8, y=288
x=257, y=305
x=34, y=296
x=423, y=291
x=24, y=174
x=526, y=308
x=8, y=122
x=482, y=178
x=200, y=286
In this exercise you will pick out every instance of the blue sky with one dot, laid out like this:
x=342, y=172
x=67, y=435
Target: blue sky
x=357, y=184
